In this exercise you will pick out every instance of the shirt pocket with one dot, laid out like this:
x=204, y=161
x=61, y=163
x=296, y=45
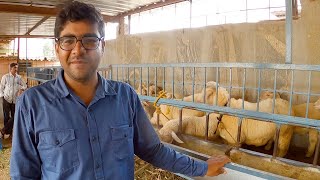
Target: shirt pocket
x=122, y=141
x=58, y=150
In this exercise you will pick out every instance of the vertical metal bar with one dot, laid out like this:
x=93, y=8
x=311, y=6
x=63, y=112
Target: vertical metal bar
x=156, y=80
x=217, y=82
x=259, y=90
x=182, y=81
x=288, y=31
x=308, y=98
x=274, y=90
x=122, y=74
x=164, y=79
x=158, y=121
x=141, y=82
x=172, y=82
x=180, y=120
x=316, y=153
x=110, y=73
x=148, y=81
x=205, y=85
x=193, y=79
x=128, y=76
x=239, y=131
x=275, y=147
x=117, y=73
x=230, y=85
x=244, y=85
x=291, y=92
x=134, y=78
x=207, y=126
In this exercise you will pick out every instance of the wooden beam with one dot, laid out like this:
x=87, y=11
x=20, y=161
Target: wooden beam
x=26, y=36
x=36, y=25
x=43, y=11
x=149, y=7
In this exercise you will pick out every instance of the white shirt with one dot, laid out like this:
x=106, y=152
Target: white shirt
x=10, y=85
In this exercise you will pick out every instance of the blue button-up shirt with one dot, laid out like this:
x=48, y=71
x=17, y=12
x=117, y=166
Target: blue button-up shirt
x=56, y=136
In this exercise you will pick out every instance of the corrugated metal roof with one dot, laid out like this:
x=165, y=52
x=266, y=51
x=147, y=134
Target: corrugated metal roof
x=19, y=24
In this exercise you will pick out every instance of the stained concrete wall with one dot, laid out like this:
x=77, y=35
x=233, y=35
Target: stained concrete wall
x=262, y=42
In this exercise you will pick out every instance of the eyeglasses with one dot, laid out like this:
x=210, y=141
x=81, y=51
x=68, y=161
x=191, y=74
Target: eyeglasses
x=69, y=42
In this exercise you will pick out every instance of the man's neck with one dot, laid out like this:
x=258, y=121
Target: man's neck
x=85, y=90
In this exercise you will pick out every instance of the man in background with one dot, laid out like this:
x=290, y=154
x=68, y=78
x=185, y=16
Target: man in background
x=11, y=87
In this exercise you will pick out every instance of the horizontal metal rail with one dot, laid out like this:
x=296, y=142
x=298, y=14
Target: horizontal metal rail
x=276, y=118
x=225, y=65
x=233, y=166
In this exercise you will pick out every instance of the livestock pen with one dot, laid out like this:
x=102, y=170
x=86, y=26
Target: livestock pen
x=246, y=81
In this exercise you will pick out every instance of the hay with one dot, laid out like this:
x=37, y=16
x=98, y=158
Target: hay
x=143, y=170
x=4, y=163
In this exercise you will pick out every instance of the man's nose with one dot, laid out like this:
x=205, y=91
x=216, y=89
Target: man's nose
x=78, y=47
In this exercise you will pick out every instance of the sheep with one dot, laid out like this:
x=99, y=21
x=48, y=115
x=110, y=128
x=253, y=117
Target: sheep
x=313, y=113
x=210, y=95
x=317, y=104
x=267, y=94
x=171, y=112
x=191, y=125
x=300, y=111
x=254, y=132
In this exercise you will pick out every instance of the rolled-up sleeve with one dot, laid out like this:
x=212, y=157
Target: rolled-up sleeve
x=25, y=162
x=149, y=148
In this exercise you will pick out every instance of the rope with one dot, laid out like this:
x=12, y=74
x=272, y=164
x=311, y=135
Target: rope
x=162, y=94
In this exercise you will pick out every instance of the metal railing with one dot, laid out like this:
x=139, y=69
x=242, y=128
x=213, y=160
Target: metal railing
x=242, y=77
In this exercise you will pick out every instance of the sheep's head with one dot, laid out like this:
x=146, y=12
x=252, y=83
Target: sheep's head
x=223, y=96
x=267, y=94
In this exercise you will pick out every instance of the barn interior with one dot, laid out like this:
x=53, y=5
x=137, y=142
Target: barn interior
x=248, y=47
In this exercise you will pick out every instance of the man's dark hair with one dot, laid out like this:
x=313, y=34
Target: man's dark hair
x=78, y=11
x=13, y=65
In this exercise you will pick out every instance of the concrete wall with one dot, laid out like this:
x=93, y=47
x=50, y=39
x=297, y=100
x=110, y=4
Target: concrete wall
x=262, y=42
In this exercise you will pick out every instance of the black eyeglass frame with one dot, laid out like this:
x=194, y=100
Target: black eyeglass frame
x=59, y=42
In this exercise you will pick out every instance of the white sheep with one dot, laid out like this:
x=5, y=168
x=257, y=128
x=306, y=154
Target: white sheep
x=170, y=112
x=313, y=113
x=254, y=132
x=191, y=125
x=300, y=111
x=317, y=104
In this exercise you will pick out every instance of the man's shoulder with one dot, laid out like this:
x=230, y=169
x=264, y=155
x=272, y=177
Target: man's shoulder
x=117, y=84
x=43, y=91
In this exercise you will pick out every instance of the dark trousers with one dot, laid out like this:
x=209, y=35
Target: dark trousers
x=7, y=129
x=8, y=115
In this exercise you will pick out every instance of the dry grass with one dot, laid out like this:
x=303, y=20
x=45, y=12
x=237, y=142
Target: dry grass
x=4, y=163
x=143, y=170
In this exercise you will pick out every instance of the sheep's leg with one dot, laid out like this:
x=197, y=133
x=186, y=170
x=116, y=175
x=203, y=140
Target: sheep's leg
x=286, y=132
x=313, y=139
x=269, y=145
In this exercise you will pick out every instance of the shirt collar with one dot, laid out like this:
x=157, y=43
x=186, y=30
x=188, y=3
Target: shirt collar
x=104, y=87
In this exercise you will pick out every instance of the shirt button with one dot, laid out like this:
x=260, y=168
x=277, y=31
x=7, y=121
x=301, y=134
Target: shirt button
x=97, y=166
x=93, y=138
x=57, y=142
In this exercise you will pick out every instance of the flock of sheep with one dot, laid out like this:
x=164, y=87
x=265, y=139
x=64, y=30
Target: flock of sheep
x=253, y=132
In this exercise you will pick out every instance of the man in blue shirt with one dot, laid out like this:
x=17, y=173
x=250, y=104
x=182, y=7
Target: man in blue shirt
x=82, y=126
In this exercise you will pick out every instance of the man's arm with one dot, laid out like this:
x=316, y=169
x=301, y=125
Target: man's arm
x=23, y=85
x=149, y=148
x=25, y=162
x=2, y=85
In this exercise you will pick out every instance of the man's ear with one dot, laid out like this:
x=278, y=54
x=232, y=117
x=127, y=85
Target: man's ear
x=103, y=43
x=57, y=48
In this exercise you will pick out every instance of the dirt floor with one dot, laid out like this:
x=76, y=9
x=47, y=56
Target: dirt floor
x=4, y=163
